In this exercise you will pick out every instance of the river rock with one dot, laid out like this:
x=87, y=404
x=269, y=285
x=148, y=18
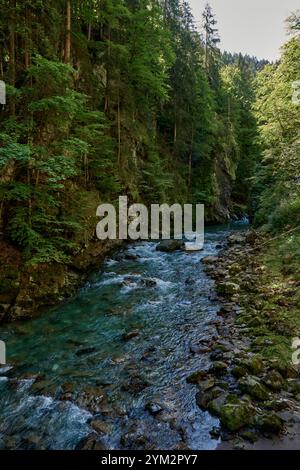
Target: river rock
x=270, y=423
x=154, y=408
x=218, y=368
x=215, y=432
x=253, y=364
x=90, y=442
x=274, y=381
x=254, y=388
x=235, y=239
x=131, y=335
x=135, y=385
x=84, y=351
x=239, y=371
x=204, y=397
x=197, y=377
x=100, y=426
x=210, y=260
x=236, y=415
x=169, y=246
x=227, y=288
x=149, y=283
x=288, y=371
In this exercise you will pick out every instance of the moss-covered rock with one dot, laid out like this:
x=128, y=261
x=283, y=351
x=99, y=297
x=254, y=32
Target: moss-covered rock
x=236, y=416
x=254, y=388
x=197, y=377
x=270, y=423
x=218, y=368
x=274, y=381
x=203, y=397
x=227, y=288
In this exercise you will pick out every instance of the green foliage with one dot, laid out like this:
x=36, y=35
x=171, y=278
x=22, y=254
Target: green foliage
x=140, y=107
x=276, y=184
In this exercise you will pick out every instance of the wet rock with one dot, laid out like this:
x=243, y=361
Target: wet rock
x=274, y=381
x=204, y=397
x=169, y=246
x=90, y=442
x=197, y=377
x=84, y=351
x=134, y=439
x=190, y=281
x=210, y=260
x=253, y=364
x=254, y=388
x=235, y=239
x=130, y=257
x=150, y=283
x=236, y=415
x=199, y=349
x=208, y=384
x=131, y=335
x=270, y=423
x=215, y=432
x=93, y=399
x=218, y=368
x=217, y=355
x=154, y=408
x=68, y=387
x=100, y=426
x=135, y=385
x=45, y=387
x=215, y=406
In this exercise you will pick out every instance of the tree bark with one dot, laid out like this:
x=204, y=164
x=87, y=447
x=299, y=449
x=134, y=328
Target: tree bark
x=68, y=32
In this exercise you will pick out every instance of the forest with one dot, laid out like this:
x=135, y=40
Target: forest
x=131, y=97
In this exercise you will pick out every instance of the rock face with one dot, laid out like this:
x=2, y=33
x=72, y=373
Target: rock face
x=168, y=246
x=25, y=291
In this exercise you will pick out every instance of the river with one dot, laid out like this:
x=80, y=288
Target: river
x=131, y=336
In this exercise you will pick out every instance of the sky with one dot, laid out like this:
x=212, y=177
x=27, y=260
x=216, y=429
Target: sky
x=254, y=27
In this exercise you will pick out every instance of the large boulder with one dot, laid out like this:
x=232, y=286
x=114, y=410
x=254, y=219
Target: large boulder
x=169, y=246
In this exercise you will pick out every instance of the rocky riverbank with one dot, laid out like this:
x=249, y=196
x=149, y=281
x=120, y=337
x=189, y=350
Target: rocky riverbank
x=252, y=386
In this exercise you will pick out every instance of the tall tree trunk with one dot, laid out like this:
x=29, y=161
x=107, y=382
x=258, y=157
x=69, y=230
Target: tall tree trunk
x=27, y=41
x=190, y=159
x=68, y=32
x=119, y=130
x=12, y=53
x=89, y=35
